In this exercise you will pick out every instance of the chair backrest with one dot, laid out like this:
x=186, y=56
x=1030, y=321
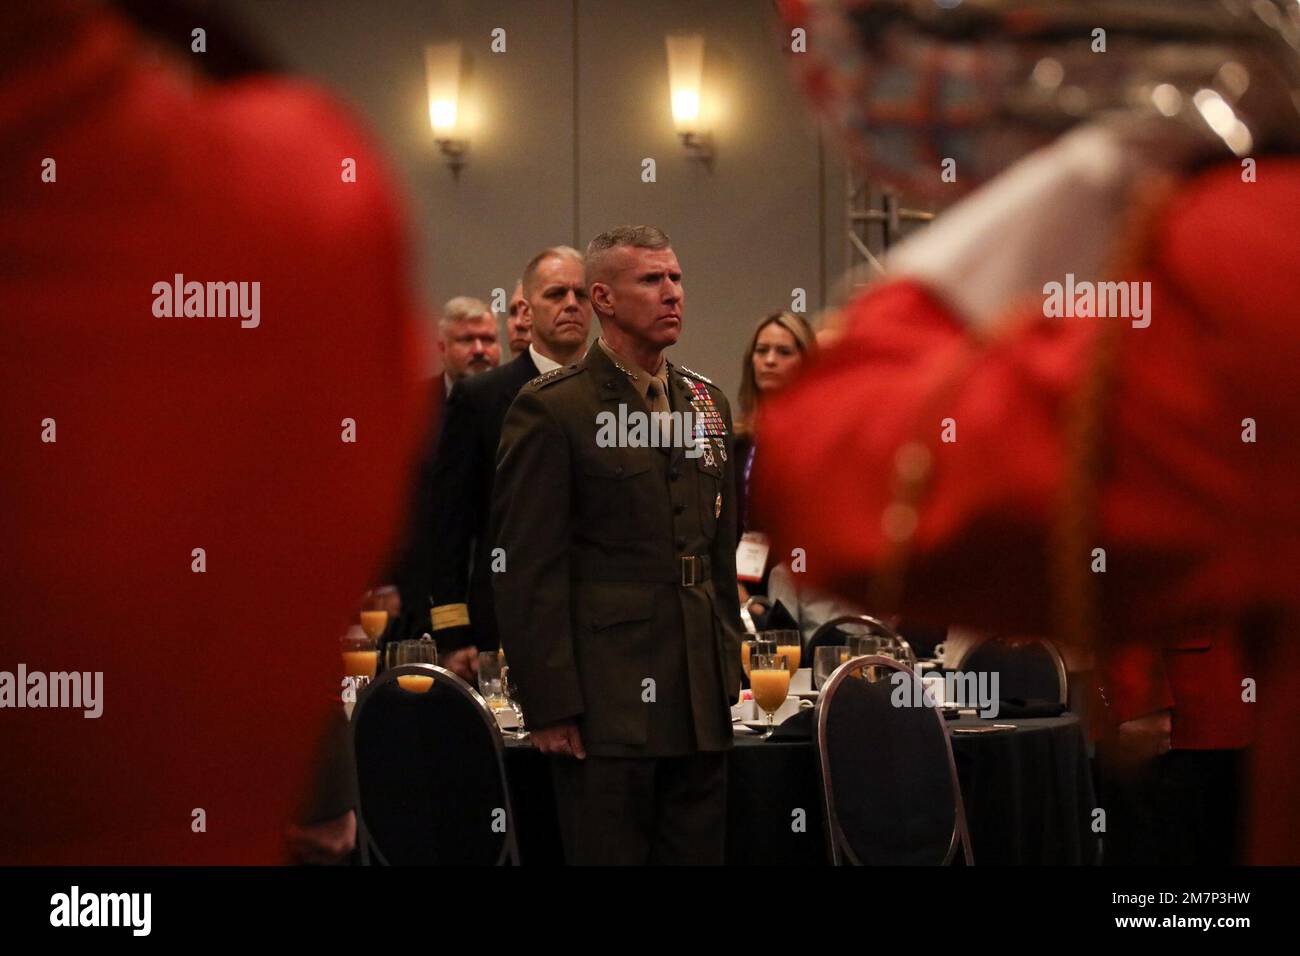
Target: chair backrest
x=1028, y=668
x=888, y=779
x=431, y=773
x=837, y=630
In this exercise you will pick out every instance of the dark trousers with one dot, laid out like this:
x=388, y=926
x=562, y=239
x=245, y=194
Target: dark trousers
x=630, y=811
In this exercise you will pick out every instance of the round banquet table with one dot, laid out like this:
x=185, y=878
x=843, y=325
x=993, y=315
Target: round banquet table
x=1028, y=796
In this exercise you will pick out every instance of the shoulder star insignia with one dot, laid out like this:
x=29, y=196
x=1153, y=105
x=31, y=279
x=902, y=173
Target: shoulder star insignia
x=694, y=374
x=628, y=372
x=553, y=375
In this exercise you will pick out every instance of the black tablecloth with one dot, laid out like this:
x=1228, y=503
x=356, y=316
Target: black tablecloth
x=1028, y=795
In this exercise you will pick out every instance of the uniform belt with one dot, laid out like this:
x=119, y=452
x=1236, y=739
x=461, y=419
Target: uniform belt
x=691, y=570
x=694, y=569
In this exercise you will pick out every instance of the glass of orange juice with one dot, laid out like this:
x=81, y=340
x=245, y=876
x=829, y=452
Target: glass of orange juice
x=769, y=679
x=374, y=623
x=788, y=643
x=360, y=658
x=752, y=646
x=423, y=651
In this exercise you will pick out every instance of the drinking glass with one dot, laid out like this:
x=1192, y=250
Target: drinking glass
x=905, y=655
x=769, y=678
x=511, y=691
x=897, y=650
x=789, y=643
x=423, y=651
x=359, y=661
x=864, y=645
x=752, y=646
x=825, y=659
x=374, y=623
x=490, y=665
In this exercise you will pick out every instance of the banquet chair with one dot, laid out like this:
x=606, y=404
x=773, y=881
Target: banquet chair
x=888, y=779
x=1028, y=668
x=431, y=777
x=836, y=632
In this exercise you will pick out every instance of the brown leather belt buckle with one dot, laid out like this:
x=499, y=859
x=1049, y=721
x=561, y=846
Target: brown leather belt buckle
x=692, y=570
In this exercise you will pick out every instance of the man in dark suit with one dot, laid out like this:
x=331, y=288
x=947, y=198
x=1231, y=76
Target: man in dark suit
x=618, y=606
x=412, y=562
x=557, y=309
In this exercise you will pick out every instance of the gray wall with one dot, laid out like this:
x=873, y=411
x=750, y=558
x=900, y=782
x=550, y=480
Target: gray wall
x=558, y=142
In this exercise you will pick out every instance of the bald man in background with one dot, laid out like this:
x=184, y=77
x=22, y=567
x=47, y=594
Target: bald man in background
x=556, y=308
x=517, y=323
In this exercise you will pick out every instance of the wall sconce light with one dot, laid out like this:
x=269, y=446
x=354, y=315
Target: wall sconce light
x=685, y=75
x=442, y=72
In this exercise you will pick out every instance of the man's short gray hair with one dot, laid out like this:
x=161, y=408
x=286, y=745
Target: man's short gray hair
x=554, y=252
x=638, y=237
x=461, y=309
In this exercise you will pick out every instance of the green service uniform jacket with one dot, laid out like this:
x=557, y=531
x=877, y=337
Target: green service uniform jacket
x=617, y=604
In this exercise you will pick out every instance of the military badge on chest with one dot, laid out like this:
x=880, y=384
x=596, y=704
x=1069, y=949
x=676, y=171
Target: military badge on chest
x=709, y=425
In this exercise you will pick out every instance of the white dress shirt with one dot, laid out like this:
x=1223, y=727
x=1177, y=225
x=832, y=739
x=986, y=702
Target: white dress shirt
x=541, y=361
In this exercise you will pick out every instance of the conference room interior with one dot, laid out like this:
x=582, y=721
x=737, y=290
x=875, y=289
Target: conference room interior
x=494, y=143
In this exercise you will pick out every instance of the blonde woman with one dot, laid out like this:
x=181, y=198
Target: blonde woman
x=781, y=344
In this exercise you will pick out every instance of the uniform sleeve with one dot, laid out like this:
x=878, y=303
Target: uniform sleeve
x=249, y=443
x=723, y=560
x=1193, y=517
x=531, y=521
x=905, y=370
x=458, y=475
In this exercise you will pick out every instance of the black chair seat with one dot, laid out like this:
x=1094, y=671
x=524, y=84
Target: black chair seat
x=889, y=783
x=431, y=781
x=1028, y=668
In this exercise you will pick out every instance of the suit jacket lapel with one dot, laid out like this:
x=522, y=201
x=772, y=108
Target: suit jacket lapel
x=527, y=368
x=522, y=371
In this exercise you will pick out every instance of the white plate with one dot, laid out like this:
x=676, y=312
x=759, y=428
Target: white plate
x=748, y=713
x=506, y=719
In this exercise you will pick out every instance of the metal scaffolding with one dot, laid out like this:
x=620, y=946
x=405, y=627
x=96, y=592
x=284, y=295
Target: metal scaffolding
x=875, y=219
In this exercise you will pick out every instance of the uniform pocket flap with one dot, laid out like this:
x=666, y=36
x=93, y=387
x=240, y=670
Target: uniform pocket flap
x=710, y=464
x=609, y=605
x=613, y=466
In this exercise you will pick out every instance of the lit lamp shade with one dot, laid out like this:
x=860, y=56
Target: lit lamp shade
x=685, y=73
x=442, y=63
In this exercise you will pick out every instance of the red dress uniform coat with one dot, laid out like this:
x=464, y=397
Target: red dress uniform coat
x=174, y=434
x=1199, y=526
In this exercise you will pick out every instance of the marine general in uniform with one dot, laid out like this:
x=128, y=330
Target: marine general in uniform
x=618, y=607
